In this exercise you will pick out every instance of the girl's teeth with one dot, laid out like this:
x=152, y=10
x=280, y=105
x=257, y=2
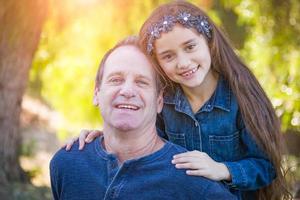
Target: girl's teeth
x=190, y=72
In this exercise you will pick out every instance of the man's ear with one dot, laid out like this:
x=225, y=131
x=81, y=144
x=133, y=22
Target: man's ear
x=96, y=97
x=160, y=101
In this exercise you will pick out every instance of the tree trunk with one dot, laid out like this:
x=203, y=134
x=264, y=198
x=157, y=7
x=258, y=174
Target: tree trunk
x=20, y=28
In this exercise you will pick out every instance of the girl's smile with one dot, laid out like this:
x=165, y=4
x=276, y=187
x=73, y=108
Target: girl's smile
x=184, y=56
x=190, y=73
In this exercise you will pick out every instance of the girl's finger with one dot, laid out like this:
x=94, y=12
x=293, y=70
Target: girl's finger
x=195, y=172
x=69, y=144
x=82, y=136
x=189, y=153
x=187, y=166
x=92, y=135
x=186, y=159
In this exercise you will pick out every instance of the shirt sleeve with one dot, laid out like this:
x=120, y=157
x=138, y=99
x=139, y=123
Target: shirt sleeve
x=54, y=180
x=253, y=171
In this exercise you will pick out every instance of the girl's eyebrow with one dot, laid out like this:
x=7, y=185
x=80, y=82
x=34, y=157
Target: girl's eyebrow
x=189, y=41
x=183, y=44
x=164, y=52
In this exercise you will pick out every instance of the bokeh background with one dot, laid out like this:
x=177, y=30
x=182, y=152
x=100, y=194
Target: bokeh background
x=50, y=51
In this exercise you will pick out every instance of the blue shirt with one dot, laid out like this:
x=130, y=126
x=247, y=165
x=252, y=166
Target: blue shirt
x=217, y=129
x=94, y=174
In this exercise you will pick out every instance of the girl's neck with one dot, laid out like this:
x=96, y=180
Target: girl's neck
x=197, y=96
x=128, y=145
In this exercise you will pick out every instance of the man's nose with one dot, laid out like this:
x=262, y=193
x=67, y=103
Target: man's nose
x=128, y=89
x=183, y=61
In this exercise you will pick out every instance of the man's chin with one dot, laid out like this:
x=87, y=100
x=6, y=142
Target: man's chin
x=125, y=126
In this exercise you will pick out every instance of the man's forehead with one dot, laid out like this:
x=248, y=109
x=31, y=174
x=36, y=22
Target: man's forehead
x=128, y=58
x=125, y=53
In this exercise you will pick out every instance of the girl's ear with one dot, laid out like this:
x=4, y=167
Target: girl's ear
x=96, y=97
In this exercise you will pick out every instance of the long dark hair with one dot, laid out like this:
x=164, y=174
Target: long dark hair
x=255, y=107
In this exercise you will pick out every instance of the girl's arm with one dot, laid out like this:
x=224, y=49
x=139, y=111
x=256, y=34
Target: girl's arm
x=251, y=172
x=200, y=164
x=254, y=170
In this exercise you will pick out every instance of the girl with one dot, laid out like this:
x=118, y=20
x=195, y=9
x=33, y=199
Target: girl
x=213, y=105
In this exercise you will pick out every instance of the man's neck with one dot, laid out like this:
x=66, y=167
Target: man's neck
x=132, y=144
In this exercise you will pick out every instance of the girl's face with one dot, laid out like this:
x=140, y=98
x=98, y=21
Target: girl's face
x=184, y=56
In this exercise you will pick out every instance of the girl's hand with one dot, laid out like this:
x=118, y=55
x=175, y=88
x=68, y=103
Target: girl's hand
x=200, y=164
x=85, y=136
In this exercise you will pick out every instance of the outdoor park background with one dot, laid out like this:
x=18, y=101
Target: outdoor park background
x=50, y=51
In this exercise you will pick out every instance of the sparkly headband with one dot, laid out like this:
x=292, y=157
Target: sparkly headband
x=199, y=22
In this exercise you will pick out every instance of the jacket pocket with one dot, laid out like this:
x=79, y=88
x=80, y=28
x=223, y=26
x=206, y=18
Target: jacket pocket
x=225, y=148
x=176, y=138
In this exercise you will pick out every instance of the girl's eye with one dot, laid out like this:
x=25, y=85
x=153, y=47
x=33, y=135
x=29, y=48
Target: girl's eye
x=167, y=57
x=190, y=47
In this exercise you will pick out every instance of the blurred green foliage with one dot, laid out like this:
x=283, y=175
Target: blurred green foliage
x=20, y=191
x=78, y=33
x=271, y=50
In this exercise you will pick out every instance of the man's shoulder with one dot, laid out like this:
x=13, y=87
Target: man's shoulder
x=175, y=148
x=196, y=184
x=206, y=188
x=63, y=157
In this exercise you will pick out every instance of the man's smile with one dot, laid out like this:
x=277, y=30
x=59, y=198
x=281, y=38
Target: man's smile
x=127, y=106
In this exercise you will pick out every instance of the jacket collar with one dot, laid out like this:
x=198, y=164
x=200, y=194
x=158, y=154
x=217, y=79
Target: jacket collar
x=221, y=98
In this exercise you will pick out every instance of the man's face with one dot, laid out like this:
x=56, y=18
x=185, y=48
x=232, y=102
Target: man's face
x=128, y=95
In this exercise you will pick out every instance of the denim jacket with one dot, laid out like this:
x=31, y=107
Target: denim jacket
x=217, y=129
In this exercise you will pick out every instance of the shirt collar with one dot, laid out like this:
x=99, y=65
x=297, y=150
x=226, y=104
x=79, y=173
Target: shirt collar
x=221, y=98
x=223, y=95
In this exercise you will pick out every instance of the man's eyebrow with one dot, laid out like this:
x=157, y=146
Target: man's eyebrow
x=144, y=77
x=115, y=74
x=120, y=73
x=183, y=44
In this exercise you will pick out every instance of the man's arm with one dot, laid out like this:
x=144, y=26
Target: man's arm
x=55, y=185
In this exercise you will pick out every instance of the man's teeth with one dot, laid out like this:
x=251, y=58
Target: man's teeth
x=131, y=107
x=190, y=72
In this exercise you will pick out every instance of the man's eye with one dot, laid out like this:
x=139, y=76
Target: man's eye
x=115, y=80
x=141, y=82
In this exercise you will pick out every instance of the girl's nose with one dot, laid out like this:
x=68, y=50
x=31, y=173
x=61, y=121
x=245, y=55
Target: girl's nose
x=183, y=61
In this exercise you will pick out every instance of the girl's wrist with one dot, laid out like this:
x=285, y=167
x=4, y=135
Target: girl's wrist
x=225, y=174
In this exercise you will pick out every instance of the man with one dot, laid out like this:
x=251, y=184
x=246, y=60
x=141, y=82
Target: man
x=130, y=160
